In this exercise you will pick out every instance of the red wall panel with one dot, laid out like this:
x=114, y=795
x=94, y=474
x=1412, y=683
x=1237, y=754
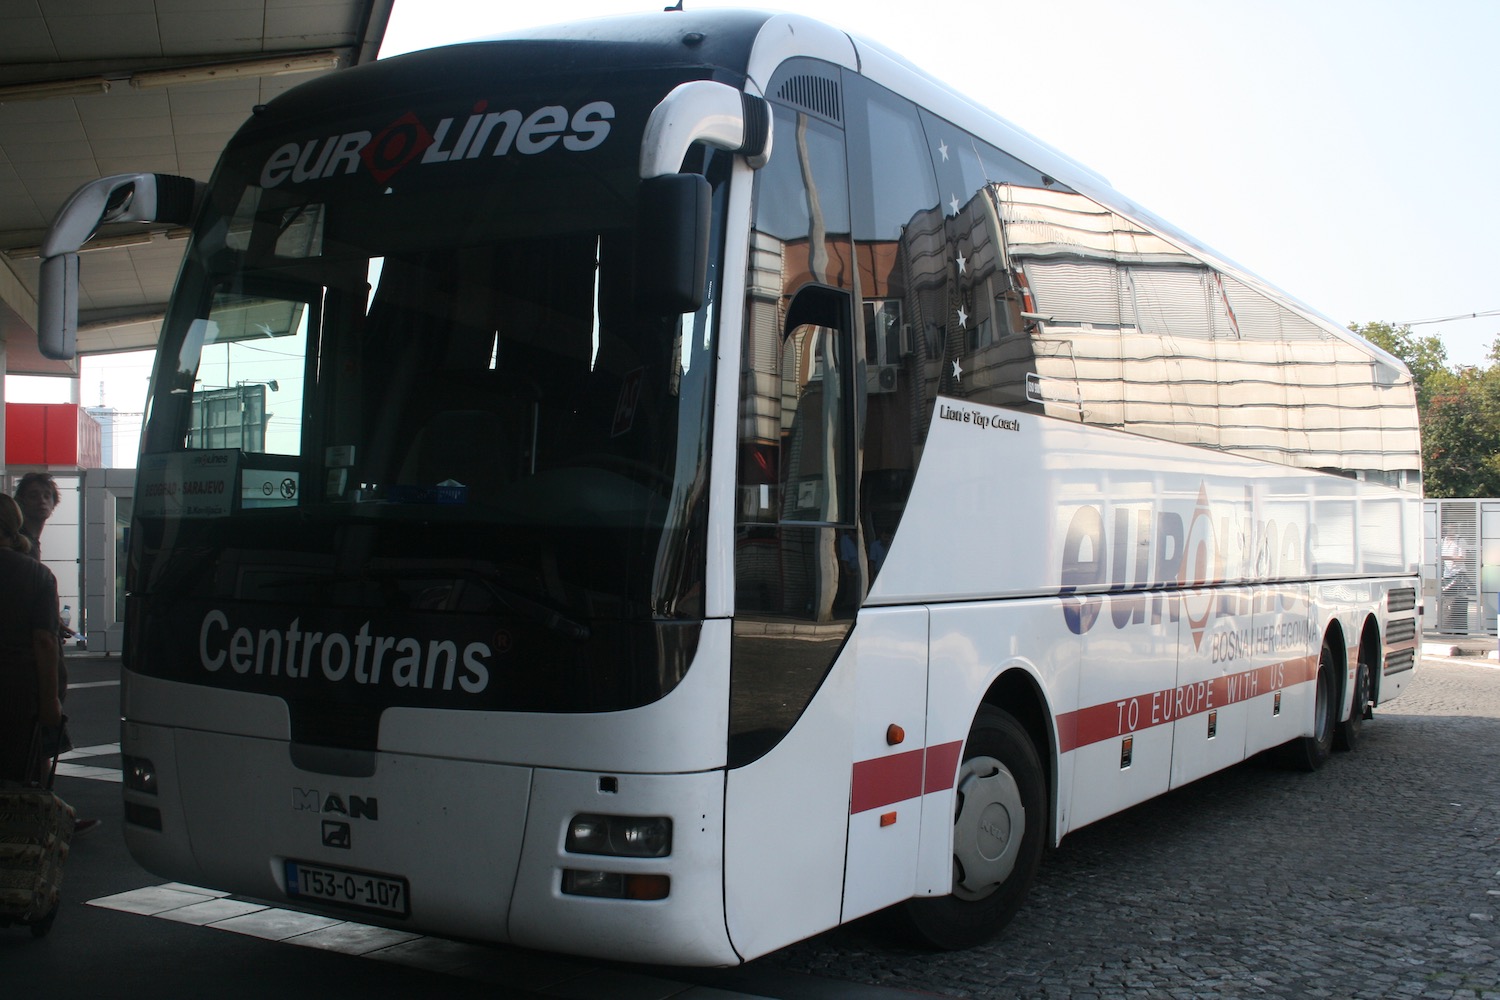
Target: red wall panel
x=51, y=434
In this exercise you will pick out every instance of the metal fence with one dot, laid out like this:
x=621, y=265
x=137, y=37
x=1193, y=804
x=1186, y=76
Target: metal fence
x=1461, y=565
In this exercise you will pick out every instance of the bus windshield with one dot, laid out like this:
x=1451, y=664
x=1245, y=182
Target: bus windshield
x=393, y=385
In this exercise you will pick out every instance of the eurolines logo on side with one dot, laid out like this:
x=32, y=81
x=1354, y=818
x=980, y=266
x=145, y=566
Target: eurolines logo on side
x=401, y=142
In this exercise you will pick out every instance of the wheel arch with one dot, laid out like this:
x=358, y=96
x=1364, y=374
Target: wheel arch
x=1338, y=645
x=1016, y=692
x=1372, y=652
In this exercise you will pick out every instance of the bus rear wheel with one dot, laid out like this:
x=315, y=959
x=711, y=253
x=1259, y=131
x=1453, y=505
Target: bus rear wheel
x=998, y=829
x=1346, y=737
x=1307, y=753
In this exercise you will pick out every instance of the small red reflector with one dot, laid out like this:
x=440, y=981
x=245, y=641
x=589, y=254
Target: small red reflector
x=888, y=819
x=894, y=735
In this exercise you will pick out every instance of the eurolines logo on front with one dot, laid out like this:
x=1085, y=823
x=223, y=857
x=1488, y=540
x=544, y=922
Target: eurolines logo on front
x=495, y=133
x=400, y=661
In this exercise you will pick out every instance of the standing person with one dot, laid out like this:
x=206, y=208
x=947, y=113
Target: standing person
x=37, y=496
x=28, y=647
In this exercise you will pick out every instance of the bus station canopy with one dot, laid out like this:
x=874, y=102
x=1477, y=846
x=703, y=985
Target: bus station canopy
x=90, y=88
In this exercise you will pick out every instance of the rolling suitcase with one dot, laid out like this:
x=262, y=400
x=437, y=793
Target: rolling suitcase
x=36, y=828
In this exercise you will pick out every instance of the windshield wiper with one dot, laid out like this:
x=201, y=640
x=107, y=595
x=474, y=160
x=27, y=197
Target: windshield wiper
x=532, y=609
x=513, y=600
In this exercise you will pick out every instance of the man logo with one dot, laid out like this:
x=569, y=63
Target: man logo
x=357, y=807
x=337, y=835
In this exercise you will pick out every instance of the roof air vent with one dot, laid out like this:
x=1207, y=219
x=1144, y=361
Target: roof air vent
x=816, y=94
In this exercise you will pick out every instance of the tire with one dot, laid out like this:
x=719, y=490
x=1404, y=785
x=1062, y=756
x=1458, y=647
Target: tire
x=1308, y=753
x=1346, y=737
x=999, y=829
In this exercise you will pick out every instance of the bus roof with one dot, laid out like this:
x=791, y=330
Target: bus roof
x=745, y=47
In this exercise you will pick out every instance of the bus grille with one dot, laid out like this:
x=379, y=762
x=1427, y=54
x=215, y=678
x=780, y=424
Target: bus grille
x=1400, y=630
x=1401, y=600
x=1400, y=661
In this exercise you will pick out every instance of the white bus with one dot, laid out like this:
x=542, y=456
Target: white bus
x=662, y=487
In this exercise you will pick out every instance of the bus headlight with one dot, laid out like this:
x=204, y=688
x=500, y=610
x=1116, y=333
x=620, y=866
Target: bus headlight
x=620, y=836
x=139, y=774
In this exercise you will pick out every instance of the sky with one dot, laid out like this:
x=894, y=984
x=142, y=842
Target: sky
x=1344, y=150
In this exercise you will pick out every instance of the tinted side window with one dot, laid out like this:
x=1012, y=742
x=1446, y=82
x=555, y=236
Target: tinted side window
x=1133, y=331
x=796, y=532
x=900, y=245
x=990, y=354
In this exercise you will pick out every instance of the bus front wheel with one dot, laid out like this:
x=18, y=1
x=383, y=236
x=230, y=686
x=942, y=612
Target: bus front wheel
x=998, y=833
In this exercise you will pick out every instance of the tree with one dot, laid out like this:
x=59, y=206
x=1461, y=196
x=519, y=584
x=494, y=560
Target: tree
x=1459, y=410
x=1461, y=438
x=1424, y=354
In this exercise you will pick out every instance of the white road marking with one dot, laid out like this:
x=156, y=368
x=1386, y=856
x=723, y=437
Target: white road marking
x=547, y=974
x=73, y=764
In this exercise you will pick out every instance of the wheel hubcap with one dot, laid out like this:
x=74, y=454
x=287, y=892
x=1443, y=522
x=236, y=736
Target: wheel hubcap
x=988, y=828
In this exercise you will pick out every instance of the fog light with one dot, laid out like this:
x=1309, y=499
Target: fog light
x=610, y=885
x=615, y=885
x=620, y=836
x=139, y=774
x=139, y=815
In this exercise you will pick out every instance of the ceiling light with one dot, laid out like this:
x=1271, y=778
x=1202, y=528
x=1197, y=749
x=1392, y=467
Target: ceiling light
x=279, y=66
x=78, y=87
x=97, y=243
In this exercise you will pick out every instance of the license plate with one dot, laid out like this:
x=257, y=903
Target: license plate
x=347, y=887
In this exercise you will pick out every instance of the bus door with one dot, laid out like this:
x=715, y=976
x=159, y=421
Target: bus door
x=1284, y=654
x=1216, y=661
x=799, y=580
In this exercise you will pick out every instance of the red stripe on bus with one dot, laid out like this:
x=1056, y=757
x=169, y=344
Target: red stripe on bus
x=942, y=766
x=883, y=780
x=1110, y=720
x=897, y=777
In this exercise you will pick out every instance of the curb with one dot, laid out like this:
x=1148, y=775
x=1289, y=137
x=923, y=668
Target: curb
x=1469, y=652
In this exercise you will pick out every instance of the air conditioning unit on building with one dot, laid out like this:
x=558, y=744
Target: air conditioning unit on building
x=882, y=378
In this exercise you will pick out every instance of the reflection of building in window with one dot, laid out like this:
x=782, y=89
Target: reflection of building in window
x=229, y=418
x=1093, y=317
x=795, y=489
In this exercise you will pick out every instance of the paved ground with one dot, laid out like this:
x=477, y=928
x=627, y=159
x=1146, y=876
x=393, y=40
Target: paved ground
x=1376, y=877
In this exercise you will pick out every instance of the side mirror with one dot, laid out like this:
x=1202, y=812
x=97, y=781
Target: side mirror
x=672, y=228
x=671, y=260
x=57, y=308
x=120, y=198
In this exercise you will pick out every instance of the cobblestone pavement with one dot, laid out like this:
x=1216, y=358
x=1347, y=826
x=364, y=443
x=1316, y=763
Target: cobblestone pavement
x=1375, y=877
